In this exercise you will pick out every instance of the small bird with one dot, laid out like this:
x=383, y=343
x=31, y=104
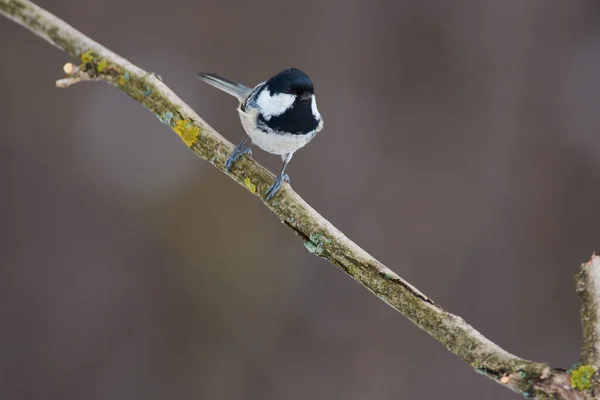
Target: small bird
x=279, y=115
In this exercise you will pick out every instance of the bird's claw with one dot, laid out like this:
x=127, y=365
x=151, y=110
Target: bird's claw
x=235, y=155
x=274, y=188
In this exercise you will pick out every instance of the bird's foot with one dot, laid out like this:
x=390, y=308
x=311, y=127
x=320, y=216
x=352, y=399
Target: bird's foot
x=271, y=191
x=235, y=155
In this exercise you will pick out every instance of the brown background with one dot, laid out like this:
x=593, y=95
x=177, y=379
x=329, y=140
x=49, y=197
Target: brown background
x=460, y=148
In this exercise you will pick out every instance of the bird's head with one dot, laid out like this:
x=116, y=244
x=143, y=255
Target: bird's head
x=287, y=102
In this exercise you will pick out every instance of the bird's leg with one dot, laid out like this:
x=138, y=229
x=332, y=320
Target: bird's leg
x=239, y=151
x=282, y=177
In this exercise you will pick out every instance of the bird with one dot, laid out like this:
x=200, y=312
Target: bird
x=279, y=115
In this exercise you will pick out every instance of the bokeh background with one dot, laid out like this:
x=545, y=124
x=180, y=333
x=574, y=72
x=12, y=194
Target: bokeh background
x=461, y=148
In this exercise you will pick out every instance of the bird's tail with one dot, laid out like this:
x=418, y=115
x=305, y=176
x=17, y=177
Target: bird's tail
x=228, y=86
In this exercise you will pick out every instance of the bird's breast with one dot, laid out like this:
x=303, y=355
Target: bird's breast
x=270, y=140
x=296, y=120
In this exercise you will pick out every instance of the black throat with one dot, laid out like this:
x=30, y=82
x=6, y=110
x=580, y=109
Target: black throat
x=297, y=120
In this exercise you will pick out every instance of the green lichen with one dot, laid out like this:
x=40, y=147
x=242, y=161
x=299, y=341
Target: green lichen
x=187, y=131
x=165, y=117
x=383, y=298
x=147, y=91
x=574, y=367
x=581, y=378
x=94, y=65
x=123, y=79
x=389, y=274
x=315, y=243
x=89, y=63
x=353, y=270
x=102, y=65
x=312, y=248
x=251, y=186
x=88, y=57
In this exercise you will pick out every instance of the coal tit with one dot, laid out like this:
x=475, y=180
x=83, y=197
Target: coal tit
x=279, y=115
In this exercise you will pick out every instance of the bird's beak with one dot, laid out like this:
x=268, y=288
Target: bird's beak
x=305, y=96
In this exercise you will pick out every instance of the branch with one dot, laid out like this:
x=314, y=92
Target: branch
x=320, y=237
x=588, y=291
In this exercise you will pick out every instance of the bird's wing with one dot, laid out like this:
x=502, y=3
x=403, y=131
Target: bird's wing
x=250, y=101
x=228, y=86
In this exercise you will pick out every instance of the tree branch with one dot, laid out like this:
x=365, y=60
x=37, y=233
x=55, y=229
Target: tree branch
x=320, y=237
x=588, y=291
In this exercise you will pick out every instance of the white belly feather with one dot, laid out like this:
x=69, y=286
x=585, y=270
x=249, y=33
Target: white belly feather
x=272, y=142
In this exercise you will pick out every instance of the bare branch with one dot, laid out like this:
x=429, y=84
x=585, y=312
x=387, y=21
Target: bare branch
x=320, y=237
x=588, y=291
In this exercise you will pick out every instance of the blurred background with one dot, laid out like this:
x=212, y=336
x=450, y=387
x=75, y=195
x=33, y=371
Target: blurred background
x=460, y=147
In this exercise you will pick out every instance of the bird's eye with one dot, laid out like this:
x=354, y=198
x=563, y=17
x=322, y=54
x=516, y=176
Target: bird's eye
x=287, y=90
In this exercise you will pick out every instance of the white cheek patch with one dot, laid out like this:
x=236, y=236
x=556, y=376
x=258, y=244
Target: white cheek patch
x=313, y=107
x=272, y=106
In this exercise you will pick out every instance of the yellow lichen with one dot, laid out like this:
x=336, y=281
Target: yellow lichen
x=102, y=65
x=124, y=78
x=251, y=186
x=87, y=57
x=581, y=378
x=187, y=132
